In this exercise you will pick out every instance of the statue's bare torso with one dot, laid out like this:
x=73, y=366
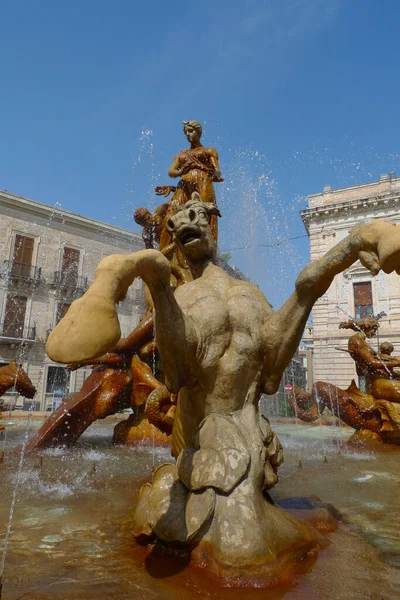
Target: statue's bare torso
x=226, y=314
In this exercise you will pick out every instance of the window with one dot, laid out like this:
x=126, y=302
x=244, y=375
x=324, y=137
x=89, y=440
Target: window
x=62, y=308
x=57, y=380
x=363, y=306
x=14, y=318
x=22, y=255
x=70, y=266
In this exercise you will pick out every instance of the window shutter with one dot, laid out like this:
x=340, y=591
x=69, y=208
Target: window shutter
x=362, y=293
x=23, y=249
x=363, y=305
x=14, y=319
x=62, y=308
x=70, y=265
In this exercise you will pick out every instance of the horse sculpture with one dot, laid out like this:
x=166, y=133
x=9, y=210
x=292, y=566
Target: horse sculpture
x=13, y=375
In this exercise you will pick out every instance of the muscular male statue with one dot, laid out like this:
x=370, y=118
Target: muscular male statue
x=221, y=345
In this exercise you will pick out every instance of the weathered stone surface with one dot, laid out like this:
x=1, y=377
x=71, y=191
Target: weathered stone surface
x=166, y=505
x=199, y=509
x=141, y=525
x=221, y=459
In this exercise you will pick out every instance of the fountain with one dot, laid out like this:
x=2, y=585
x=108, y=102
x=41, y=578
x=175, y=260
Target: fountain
x=208, y=518
x=221, y=345
x=375, y=412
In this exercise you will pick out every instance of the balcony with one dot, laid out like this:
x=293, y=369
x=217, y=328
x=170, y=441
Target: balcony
x=16, y=270
x=12, y=332
x=71, y=281
x=364, y=310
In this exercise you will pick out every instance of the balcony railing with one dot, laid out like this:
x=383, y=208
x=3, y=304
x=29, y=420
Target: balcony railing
x=364, y=310
x=68, y=280
x=21, y=271
x=16, y=332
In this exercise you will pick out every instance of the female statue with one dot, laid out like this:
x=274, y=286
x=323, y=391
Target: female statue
x=197, y=168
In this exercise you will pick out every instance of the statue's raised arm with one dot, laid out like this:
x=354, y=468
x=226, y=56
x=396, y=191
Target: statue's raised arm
x=91, y=327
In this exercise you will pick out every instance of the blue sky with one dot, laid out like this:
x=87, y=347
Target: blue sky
x=294, y=95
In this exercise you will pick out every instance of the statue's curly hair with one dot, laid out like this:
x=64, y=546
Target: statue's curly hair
x=386, y=348
x=364, y=324
x=195, y=201
x=196, y=126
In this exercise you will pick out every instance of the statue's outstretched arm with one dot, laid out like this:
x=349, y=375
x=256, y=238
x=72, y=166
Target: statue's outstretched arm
x=91, y=328
x=363, y=352
x=376, y=244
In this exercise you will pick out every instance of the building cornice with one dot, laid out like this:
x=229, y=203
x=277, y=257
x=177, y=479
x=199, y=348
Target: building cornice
x=312, y=214
x=59, y=218
x=370, y=185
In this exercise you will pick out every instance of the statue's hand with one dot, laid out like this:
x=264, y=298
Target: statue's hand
x=193, y=163
x=217, y=177
x=164, y=190
x=378, y=246
x=187, y=167
x=90, y=327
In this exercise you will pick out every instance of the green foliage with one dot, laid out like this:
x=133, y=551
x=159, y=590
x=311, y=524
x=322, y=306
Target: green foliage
x=225, y=257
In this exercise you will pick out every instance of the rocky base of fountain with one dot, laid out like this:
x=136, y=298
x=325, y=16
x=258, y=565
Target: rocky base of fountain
x=280, y=566
x=131, y=433
x=364, y=439
x=214, y=505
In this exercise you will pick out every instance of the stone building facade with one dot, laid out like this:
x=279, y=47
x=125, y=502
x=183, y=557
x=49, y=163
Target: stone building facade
x=48, y=258
x=330, y=216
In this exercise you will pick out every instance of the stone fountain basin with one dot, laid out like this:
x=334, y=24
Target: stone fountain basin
x=71, y=531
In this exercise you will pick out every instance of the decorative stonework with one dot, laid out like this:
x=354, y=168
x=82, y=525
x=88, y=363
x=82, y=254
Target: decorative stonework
x=344, y=209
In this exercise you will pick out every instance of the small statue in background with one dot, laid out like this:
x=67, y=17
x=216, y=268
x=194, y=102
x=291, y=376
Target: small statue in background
x=385, y=351
x=374, y=411
x=372, y=366
x=153, y=224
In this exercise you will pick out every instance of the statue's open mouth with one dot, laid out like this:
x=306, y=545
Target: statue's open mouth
x=189, y=235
